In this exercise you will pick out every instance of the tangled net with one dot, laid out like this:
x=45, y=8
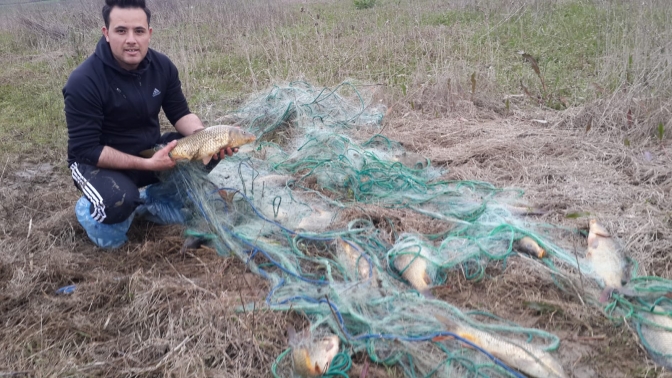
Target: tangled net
x=338, y=226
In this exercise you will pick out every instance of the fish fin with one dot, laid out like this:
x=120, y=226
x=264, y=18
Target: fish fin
x=206, y=160
x=147, y=153
x=427, y=278
x=627, y=271
x=606, y=294
x=468, y=337
x=291, y=335
x=226, y=196
x=427, y=293
x=593, y=240
x=451, y=325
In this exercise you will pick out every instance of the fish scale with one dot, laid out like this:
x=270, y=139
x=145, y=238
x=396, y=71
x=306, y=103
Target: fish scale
x=658, y=341
x=607, y=259
x=208, y=142
x=204, y=144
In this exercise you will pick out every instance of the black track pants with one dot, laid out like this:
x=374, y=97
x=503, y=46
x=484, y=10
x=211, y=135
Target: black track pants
x=114, y=194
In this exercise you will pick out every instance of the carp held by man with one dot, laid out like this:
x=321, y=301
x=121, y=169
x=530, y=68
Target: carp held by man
x=203, y=144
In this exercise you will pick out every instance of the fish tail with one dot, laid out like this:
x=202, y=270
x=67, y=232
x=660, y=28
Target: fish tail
x=606, y=294
x=627, y=292
x=291, y=334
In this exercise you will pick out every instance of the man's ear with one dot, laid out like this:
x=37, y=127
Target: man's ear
x=106, y=34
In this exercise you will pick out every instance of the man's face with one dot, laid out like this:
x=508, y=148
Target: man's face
x=128, y=36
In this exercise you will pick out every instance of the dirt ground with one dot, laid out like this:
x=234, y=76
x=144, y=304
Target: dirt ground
x=147, y=310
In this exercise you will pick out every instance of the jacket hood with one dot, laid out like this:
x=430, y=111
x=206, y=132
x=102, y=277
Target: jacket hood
x=104, y=53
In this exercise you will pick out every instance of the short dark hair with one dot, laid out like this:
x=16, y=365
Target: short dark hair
x=109, y=4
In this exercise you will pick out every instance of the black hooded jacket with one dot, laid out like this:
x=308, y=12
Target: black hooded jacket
x=106, y=105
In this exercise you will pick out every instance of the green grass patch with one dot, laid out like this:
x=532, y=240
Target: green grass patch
x=31, y=109
x=565, y=39
x=455, y=17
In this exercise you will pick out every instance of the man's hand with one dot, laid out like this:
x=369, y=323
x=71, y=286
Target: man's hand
x=161, y=161
x=225, y=151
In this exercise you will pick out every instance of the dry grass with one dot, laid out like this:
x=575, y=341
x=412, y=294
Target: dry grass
x=146, y=310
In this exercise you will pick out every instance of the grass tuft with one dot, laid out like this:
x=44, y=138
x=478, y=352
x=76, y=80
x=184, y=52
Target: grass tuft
x=364, y=4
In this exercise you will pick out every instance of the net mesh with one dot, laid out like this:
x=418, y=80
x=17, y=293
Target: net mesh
x=353, y=232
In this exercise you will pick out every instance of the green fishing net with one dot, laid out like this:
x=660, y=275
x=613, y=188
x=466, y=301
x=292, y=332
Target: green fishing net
x=347, y=228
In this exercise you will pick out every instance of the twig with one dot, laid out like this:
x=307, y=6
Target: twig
x=240, y=295
x=163, y=360
x=190, y=281
x=501, y=22
x=30, y=227
x=336, y=317
x=591, y=338
x=92, y=365
x=178, y=347
x=578, y=267
x=3, y=170
x=15, y=373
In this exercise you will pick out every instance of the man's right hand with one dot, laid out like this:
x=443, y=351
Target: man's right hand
x=161, y=161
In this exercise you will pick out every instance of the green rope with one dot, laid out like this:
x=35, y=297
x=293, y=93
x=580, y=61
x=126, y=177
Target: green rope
x=274, y=367
x=340, y=365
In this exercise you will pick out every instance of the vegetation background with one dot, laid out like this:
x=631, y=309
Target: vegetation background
x=589, y=80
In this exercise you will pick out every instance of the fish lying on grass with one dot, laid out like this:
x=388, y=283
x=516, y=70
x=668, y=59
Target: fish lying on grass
x=357, y=265
x=204, y=144
x=312, y=358
x=526, y=358
x=608, y=260
x=529, y=246
x=413, y=268
x=658, y=341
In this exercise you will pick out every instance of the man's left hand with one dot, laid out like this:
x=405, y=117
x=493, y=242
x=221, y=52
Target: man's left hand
x=224, y=152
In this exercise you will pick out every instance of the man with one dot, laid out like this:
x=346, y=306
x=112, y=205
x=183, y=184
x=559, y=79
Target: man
x=112, y=102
